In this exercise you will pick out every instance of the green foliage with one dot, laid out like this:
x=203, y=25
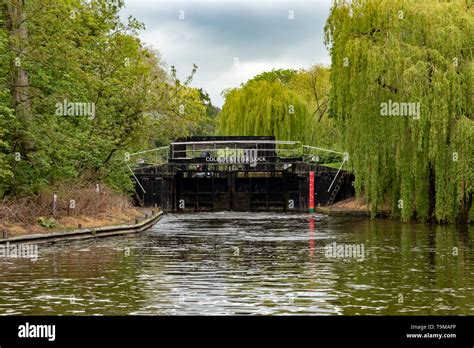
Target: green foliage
x=47, y=222
x=5, y=112
x=289, y=104
x=283, y=75
x=182, y=114
x=208, y=125
x=265, y=108
x=82, y=52
x=408, y=52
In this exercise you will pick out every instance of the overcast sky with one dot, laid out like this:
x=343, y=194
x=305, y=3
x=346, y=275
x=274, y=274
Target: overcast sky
x=232, y=41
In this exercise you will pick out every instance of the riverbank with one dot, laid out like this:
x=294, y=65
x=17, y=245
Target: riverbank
x=139, y=225
x=112, y=217
x=352, y=207
x=67, y=209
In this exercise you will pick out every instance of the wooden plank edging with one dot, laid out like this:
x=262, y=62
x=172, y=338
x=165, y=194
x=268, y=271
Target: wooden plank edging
x=86, y=232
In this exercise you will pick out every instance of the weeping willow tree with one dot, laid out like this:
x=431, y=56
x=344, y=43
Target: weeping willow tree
x=394, y=53
x=289, y=104
x=313, y=85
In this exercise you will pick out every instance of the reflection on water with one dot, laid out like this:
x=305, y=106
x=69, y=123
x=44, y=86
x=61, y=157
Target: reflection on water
x=250, y=263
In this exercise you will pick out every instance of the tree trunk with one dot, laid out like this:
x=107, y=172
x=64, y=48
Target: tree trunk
x=19, y=83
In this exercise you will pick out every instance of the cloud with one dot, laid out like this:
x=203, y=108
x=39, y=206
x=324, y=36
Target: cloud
x=262, y=35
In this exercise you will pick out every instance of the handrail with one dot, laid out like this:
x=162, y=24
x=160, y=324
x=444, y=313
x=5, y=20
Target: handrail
x=277, y=142
x=156, y=149
x=321, y=149
x=307, y=150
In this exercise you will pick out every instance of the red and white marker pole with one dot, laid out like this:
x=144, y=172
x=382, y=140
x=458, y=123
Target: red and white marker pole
x=311, y=192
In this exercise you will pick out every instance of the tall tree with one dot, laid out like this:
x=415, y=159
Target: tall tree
x=5, y=109
x=78, y=54
x=18, y=40
x=289, y=104
x=394, y=53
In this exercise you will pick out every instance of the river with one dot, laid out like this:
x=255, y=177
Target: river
x=250, y=263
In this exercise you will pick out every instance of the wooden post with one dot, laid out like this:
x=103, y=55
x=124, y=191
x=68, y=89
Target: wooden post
x=136, y=221
x=55, y=200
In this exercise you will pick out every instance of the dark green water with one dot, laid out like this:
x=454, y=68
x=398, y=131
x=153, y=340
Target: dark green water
x=249, y=263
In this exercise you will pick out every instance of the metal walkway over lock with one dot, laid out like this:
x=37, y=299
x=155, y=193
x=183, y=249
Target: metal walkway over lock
x=237, y=173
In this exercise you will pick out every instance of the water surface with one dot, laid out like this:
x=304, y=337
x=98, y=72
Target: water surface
x=250, y=263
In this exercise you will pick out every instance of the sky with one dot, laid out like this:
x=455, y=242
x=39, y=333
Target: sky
x=232, y=41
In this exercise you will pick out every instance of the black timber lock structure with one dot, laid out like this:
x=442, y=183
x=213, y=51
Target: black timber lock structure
x=216, y=173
